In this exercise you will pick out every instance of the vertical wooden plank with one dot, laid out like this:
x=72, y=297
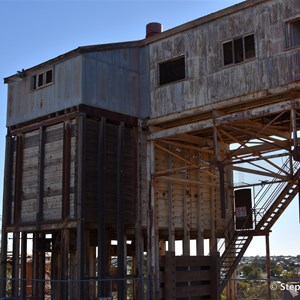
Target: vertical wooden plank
x=66, y=170
x=101, y=205
x=35, y=262
x=15, y=264
x=54, y=268
x=8, y=177
x=170, y=278
x=186, y=217
x=200, y=239
x=213, y=203
x=80, y=205
x=40, y=185
x=171, y=229
x=152, y=243
x=18, y=179
x=42, y=266
x=6, y=211
x=120, y=213
x=139, y=242
x=214, y=273
x=23, y=265
x=87, y=265
x=3, y=262
x=64, y=257
x=92, y=267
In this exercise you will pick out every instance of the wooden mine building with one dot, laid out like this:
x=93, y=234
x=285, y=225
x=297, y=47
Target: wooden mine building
x=116, y=152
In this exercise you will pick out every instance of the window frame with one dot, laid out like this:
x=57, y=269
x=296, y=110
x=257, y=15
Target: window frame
x=39, y=80
x=165, y=62
x=243, y=52
x=289, y=39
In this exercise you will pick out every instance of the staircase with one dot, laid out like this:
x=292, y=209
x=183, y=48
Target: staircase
x=273, y=202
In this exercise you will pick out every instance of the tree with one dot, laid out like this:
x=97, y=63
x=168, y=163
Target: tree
x=252, y=272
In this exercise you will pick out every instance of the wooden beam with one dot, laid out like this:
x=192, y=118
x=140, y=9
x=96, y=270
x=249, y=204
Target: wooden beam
x=139, y=240
x=200, y=217
x=16, y=264
x=171, y=227
x=6, y=211
x=64, y=262
x=120, y=214
x=237, y=116
x=183, y=180
x=152, y=231
x=23, y=265
x=41, y=169
x=18, y=179
x=66, y=170
x=186, y=217
x=256, y=172
x=101, y=267
x=80, y=257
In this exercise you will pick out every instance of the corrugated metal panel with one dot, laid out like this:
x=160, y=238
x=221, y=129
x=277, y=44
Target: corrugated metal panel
x=25, y=104
x=111, y=81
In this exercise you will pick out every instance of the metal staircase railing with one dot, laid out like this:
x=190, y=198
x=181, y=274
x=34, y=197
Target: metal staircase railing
x=274, y=202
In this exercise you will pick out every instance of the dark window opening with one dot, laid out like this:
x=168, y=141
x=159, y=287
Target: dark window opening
x=48, y=76
x=172, y=71
x=40, y=80
x=294, y=34
x=34, y=82
x=239, y=50
x=249, y=46
x=227, y=50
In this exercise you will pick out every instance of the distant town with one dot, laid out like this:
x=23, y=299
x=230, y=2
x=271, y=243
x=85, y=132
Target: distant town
x=251, y=276
x=254, y=267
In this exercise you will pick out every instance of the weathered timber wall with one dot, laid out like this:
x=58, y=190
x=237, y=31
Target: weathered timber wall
x=128, y=175
x=207, y=80
x=182, y=277
x=44, y=168
x=189, y=200
x=42, y=174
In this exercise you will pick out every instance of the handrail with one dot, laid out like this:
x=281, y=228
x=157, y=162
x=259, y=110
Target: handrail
x=272, y=197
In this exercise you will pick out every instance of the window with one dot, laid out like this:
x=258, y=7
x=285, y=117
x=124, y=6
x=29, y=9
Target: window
x=293, y=34
x=239, y=50
x=42, y=79
x=172, y=70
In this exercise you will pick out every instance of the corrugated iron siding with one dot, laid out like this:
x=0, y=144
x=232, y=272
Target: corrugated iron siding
x=112, y=81
x=25, y=104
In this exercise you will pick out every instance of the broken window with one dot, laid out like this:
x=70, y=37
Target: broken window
x=293, y=33
x=239, y=50
x=48, y=76
x=172, y=70
x=227, y=53
x=42, y=79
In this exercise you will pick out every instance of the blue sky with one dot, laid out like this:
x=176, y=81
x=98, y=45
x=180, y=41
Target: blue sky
x=35, y=31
